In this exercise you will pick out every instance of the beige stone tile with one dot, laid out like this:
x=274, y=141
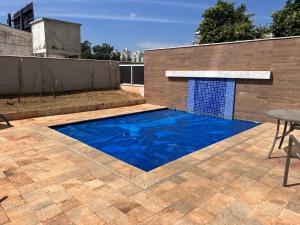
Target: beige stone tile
x=140, y=213
x=68, y=204
x=109, y=194
x=112, y=215
x=33, y=195
x=83, y=194
x=267, y=208
x=60, y=196
x=294, y=205
x=129, y=190
x=81, y=215
x=61, y=219
x=186, y=221
x=21, y=211
x=200, y=215
x=152, y=203
x=40, y=203
x=48, y=212
x=3, y=217
x=126, y=205
x=256, y=193
x=166, y=216
x=12, y=202
x=29, y=219
x=20, y=179
x=184, y=206
x=97, y=205
x=93, y=184
x=290, y=217
x=217, y=203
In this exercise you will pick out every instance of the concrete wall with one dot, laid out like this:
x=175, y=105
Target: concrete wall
x=41, y=74
x=39, y=41
x=252, y=97
x=15, y=42
x=56, y=38
x=133, y=89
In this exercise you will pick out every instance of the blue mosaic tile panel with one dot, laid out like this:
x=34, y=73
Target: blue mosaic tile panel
x=213, y=97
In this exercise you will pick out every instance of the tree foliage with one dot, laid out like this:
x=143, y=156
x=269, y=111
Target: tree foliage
x=115, y=55
x=262, y=32
x=286, y=22
x=86, y=50
x=101, y=52
x=223, y=22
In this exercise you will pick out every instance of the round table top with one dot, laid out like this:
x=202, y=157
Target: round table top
x=285, y=114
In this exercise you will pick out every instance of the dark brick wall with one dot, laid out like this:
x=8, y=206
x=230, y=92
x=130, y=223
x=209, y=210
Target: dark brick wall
x=253, y=97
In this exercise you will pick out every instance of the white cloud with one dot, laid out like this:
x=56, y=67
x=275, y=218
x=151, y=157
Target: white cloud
x=154, y=45
x=178, y=3
x=131, y=17
x=168, y=3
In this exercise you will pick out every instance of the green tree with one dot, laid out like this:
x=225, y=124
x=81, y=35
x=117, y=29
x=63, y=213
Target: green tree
x=262, y=32
x=223, y=22
x=86, y=50
x=103, y=52
x=286, y=22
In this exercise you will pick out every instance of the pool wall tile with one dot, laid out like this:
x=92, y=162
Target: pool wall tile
x=213, y=97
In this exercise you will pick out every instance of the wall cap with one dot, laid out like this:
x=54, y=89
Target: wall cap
x=223, y=43
x=264, y=75
x=54, y=58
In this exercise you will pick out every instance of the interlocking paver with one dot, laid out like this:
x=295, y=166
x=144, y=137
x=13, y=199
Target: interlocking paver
x=48, y=212
x=200, y=215
x=3, y=217
x=82, y=215
x=49, y=178
x=61, y=219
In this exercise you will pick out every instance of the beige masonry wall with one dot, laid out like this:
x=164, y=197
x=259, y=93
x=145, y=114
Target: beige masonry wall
x=35, y=75
x=15, y=42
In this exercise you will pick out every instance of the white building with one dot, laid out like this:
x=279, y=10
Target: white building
x=125, y=55
x=197, y=38
x=55, y=38
x=137, y=56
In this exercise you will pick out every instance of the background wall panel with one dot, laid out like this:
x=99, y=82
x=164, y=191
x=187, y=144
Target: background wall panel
x=252, y=97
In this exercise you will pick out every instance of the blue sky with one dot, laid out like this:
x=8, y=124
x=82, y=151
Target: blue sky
x=136, y=24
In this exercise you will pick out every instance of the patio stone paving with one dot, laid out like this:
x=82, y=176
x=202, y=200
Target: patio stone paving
x=49, y=178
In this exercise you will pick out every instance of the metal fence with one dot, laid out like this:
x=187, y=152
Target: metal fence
x=132, y=74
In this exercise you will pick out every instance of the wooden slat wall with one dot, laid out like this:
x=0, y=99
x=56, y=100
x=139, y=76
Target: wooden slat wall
x=253, y=97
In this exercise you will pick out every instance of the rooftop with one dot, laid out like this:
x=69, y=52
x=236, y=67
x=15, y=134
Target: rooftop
x=54, y=20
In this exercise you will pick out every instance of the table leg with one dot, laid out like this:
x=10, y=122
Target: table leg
x=275, y=139
x=283, y=134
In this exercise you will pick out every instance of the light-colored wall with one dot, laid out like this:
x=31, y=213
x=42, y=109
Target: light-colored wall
x=56, y=38
x=39, y=74
x=39, y=41
x=15, y=42
x=133, y=89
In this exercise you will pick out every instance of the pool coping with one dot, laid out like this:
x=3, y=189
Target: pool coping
x=138, y=177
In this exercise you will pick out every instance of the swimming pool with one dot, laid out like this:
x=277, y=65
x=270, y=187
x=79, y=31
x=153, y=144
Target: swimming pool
x=151, y=139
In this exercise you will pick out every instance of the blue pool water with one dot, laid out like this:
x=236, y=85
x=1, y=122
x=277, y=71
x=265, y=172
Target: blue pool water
x=151, y=139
